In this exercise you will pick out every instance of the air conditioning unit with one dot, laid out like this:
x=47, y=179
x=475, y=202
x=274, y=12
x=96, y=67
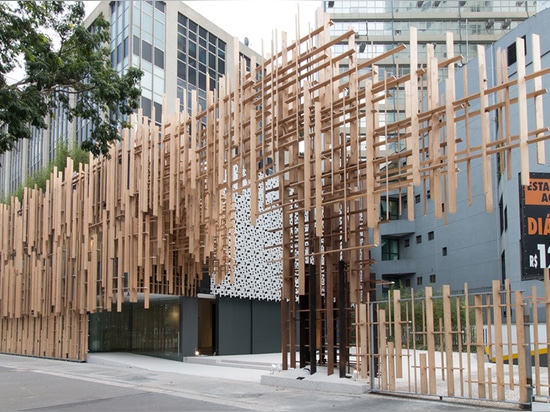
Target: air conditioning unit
x=489, y=23
x=506, y=23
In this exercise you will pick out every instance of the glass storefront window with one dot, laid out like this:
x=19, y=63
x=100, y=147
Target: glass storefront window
x=153, y=331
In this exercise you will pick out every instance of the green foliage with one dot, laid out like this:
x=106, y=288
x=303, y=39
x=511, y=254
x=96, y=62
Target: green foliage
x=66, y=65
x=38, y=180
x=415, y=314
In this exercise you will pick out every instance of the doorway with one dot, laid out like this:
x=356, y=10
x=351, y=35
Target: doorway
x=206, y=344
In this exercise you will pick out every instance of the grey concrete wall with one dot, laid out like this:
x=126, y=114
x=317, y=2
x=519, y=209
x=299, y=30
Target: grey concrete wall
x=189, y=317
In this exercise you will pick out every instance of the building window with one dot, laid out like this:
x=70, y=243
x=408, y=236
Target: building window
x=419, y=280
x=444, y=251
x=389, y=209
x=428, y=194
x=147, y=51
x=419, y=239
x=158, y=112
x=512, y=52
x=503, y=267
x=146, y=106
x=136, y=42
x=432, y=278
x=431, y=235
x=159, y=5
x=407, y=283
x=407, y=242
x=390, y=249
x=501, y=215
x=506, y=218
x=417, y=198
x=159, y=58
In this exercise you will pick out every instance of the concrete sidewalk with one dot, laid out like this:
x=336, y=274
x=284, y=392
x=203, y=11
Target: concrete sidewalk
x=131, y=382
x=261, y=368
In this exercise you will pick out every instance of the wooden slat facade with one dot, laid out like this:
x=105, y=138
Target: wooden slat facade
x=148, y=219
x=480, y=349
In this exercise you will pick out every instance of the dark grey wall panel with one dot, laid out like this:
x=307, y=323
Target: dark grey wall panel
x=248, y=326
x=234, y=326
x=189, y=325
x=266, y=326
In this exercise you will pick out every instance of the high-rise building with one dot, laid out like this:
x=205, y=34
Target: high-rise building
x=471, y=246
x=385, y=24
x=179, y=51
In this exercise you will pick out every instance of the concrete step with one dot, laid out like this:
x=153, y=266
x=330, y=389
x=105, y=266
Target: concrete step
x=229, y=362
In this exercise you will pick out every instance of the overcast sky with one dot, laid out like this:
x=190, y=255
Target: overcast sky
x=255, y=20
x=258, y=19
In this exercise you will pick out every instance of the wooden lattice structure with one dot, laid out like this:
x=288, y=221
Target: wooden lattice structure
x=490, y=346
x=151, y=217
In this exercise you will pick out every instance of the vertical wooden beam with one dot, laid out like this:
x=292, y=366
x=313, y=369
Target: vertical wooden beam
x=413, y=99
x=522, y=112
x=497, y=315
x=480, y=346
x=522, y=358
x=397, y=334
x=382, y=349
x=537, y=83
x=485, y=129
x=451, y=126
x=448, y=326
x=430, y=332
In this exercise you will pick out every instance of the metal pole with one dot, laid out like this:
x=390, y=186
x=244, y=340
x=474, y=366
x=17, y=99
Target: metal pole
x=528, y=360
x=372, y=345
x=312, y=319
x=342, y=321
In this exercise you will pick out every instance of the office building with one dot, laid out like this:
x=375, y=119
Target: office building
x=178, y=50
x=470, y=246
x=383, y=25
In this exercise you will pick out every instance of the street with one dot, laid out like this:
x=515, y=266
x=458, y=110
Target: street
x=33, y=384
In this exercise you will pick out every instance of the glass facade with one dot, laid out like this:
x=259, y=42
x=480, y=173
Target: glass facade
x=58, y=131
x=15, y=165
x=442, y=7
x=382, y=24
x=147, y=43
x=154, y=331
x=201, y=60
x=34, y=151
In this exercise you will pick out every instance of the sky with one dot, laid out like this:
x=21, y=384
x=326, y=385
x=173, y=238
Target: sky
x=255, y=20
x=258, y=19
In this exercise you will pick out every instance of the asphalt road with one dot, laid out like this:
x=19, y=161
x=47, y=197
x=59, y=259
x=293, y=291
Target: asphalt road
x=32, y=384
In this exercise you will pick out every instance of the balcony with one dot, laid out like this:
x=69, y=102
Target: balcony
x=397, y=228
x=401, y=267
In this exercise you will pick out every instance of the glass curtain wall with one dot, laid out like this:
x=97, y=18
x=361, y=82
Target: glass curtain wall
x=154, y=331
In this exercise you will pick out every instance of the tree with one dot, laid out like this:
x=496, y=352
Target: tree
x=66, y=65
